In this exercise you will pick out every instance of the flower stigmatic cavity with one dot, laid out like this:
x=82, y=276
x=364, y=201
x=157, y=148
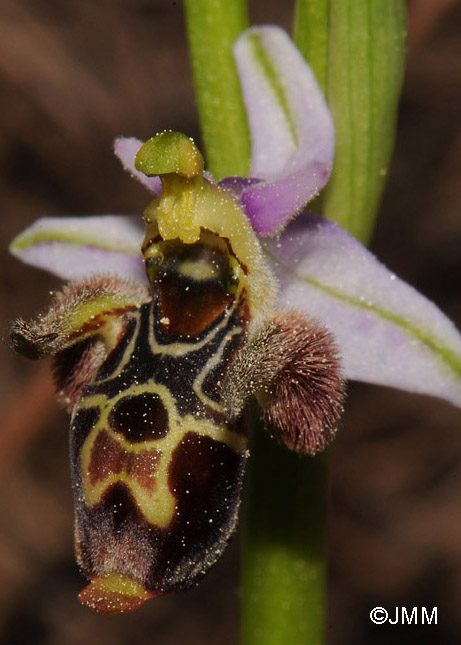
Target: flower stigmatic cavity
x=156, y=378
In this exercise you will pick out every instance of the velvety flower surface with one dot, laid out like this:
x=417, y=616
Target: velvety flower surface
x=388, y=333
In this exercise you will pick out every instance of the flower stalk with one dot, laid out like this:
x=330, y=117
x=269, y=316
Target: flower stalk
x=284, y=547
x=356, y=49
x=213, y=26
x=283, y=558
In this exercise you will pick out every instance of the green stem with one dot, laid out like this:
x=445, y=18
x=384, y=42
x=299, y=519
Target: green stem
x=366, y=63
x=284, y=594
x=213, y=26
x=310, y=34
x=356, y=50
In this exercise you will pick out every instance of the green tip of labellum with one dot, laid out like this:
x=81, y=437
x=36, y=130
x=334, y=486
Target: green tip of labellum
x=114, y=594
x=170, y=152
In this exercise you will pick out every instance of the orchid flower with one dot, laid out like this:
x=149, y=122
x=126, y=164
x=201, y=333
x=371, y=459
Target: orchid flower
x=127, y=356
x=387, y=332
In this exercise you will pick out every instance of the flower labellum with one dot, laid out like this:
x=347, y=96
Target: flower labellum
x=156, y=378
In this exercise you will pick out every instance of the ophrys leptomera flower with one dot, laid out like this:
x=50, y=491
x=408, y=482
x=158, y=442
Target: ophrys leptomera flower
x=156, y=362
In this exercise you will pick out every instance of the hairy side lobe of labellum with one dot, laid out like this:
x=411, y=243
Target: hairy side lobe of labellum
x=156, y=379
x=83, y=323
x=292, y=366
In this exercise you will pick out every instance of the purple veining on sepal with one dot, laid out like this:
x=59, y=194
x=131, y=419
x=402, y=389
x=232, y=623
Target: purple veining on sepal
x=388, y=333
x=125, y=149
x=291, y=128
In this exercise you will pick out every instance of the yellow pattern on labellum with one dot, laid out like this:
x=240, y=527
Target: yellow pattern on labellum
x=157, y=506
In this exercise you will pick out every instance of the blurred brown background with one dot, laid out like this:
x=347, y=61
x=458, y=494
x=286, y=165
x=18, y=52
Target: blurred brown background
x=74, y=75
